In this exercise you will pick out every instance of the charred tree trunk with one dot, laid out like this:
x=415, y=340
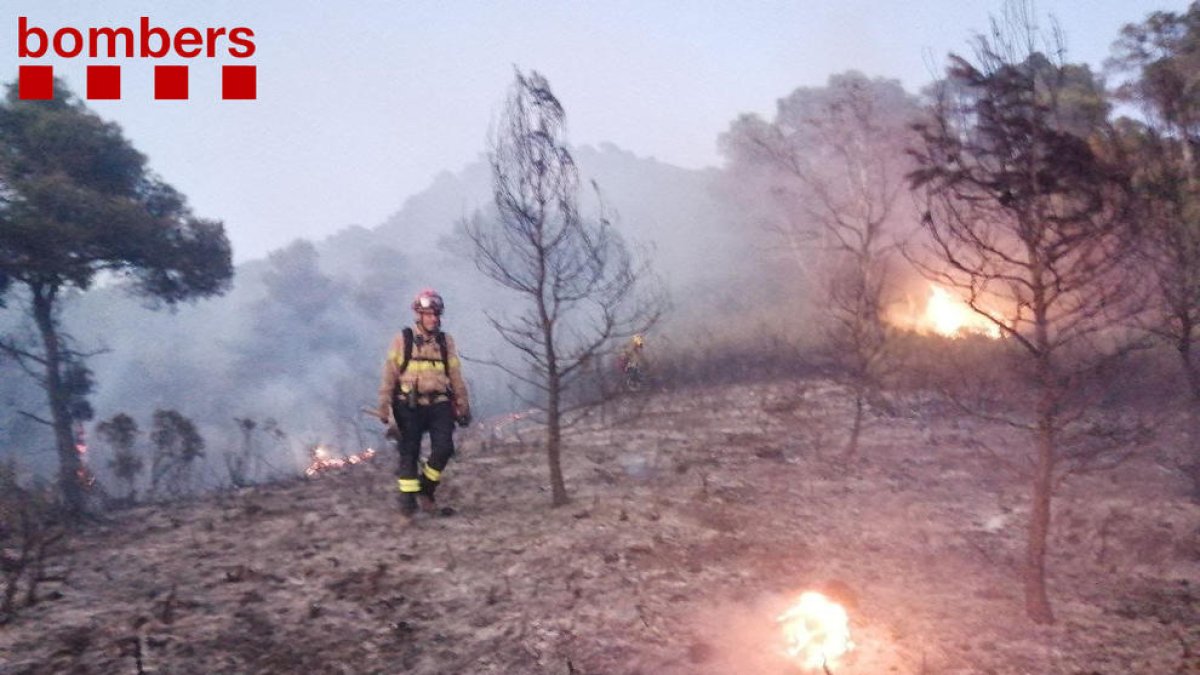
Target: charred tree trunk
x=553, y=453
x=1183, y=346
x=13, y=567
x=44, y=538
x=34, y=535
x=1037, y=604
x=558, y=487
x=69, y=464
x=857, y=424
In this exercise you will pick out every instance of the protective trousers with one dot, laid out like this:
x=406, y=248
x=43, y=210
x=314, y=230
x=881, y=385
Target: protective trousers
x=414, y=421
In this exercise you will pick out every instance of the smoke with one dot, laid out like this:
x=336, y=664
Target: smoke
x=300, y=339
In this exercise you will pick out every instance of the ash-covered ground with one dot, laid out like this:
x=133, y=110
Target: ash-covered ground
x=696, y=518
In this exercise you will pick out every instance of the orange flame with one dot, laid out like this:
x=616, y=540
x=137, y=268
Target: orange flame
x=80, y=439
x=952, y=317
x=82, y=474
x=944, y=314
x=323, y=459
x=817, y=631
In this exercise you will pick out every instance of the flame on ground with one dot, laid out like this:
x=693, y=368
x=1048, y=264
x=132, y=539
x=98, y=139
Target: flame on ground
x=817, y=631
x=83, y=474
x=323, y=459
x=947, y=315
x=952, y=317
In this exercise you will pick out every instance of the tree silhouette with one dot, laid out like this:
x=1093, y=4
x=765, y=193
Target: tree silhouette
x=1026, y=216
x=836, y=155
x=1163, y=53
x=121, y=434
x=177, y=445
x=579, y=284
x=78, y=204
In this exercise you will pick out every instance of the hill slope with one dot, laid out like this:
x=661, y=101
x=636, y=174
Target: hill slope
x=696, y=518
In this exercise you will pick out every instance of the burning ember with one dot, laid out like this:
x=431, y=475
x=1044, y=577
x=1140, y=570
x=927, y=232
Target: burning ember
x=817, y=631
x=323, y=459
x=947, y=315
x=82, y=474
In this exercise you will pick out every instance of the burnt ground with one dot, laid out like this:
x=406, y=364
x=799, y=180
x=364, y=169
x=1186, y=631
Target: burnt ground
x=695, y=519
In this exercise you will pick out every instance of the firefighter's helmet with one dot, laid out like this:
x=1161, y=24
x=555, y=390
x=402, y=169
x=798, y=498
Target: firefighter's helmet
x=428, y=301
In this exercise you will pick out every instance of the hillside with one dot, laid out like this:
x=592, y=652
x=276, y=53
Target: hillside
x=300, y=336
x=696, y=518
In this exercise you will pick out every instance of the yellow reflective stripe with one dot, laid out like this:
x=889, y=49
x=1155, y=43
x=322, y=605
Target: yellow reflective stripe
x=415, y=366
x=454, y=362
x=432, y=473
x=409, y=484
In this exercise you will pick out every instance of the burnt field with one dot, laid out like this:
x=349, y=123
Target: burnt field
x=697, y=517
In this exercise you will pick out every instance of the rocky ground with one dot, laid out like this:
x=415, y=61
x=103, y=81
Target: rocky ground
x=696, y=519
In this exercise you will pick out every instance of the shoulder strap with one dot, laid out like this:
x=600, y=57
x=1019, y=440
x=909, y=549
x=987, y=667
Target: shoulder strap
x=408, y=344
x=408, y=347
x=441, y=340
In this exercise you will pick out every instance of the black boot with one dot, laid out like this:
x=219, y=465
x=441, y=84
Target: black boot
x=425, y=497
x=407, y=501
x=428, y=501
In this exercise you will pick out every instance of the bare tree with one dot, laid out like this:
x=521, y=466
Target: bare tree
x=1025, y=218
x=580, y=286
x=840, y=151
x=30, y=530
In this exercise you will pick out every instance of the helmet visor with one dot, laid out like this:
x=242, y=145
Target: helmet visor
x=428, y=303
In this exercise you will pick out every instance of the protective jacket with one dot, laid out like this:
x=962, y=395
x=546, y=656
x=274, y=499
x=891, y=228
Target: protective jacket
x=425, y=378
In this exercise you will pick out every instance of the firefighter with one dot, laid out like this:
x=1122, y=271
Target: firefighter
x=632, y=362
x=423, y=391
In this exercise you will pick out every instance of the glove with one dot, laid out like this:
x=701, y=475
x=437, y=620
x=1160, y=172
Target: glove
x=384, y=413
x=464, y=420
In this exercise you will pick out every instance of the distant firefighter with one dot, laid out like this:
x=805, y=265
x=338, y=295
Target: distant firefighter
x=632, y=363
x=423, y=391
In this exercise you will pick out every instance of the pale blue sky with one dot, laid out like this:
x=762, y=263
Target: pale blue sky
x=360, y=104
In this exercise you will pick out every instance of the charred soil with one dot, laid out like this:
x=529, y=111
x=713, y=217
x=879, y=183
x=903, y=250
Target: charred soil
x=696, y=518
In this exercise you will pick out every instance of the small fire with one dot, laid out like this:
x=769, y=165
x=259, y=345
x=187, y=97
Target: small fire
x=82, y=474
x=944, y=314
x=952, y=317
x=323, y=459
x=817, y=631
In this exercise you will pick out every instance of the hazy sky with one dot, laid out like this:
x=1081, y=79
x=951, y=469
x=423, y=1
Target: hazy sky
x=360, y=104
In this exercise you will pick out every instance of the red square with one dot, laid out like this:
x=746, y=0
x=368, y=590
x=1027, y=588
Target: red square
x=239, y=82
x=170, y=82
x=104, y=82
x=35, y=83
